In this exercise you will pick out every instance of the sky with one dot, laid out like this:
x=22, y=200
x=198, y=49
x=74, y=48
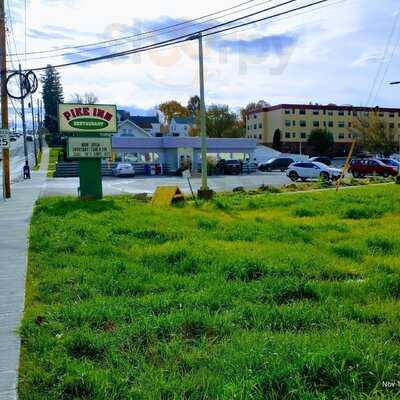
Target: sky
x=331, y=53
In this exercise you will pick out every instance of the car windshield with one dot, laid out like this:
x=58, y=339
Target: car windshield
x=232, y=162
x=125, y=166
x=272, y=160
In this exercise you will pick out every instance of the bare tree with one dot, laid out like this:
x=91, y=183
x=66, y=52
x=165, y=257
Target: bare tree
x=86, y=98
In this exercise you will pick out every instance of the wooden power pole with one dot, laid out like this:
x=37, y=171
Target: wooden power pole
x=4, y=99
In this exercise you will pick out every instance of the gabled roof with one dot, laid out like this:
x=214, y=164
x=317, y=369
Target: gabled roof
x=185, y=120
x=144, y=122
x=128, y=121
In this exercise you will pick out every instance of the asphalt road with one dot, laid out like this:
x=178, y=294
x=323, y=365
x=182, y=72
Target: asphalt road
x=17, y=159
x=114, y=186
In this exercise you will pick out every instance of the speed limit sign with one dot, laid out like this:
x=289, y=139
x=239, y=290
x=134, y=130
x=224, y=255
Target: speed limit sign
x=4, y=138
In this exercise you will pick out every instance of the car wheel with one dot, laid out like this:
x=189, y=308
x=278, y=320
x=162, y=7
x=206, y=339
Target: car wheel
x=294, y=176
x=325, y=176
x=386, y=174
x=356, y=174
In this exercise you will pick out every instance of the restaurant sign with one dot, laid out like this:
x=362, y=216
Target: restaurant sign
x=87, y=118
x=90, y=147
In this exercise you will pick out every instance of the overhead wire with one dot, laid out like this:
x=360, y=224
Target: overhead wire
x=139, y=36
x=192, y=36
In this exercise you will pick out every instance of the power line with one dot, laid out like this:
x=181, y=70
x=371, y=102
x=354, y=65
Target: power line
x=12, y=27
x=384, y=55
x=184, y=38
x=139, y=34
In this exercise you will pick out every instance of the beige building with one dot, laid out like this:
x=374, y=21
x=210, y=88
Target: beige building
x=297, y=121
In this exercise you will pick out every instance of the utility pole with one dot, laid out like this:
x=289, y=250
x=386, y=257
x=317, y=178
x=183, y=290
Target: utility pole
x=33, y=132
x=23, y=115
x=205, y=192
x=4, y=100
x=39, y=126
x=397, y=83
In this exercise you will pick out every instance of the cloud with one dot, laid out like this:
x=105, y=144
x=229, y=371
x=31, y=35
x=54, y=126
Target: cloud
x=367, y=58
x=38, y=34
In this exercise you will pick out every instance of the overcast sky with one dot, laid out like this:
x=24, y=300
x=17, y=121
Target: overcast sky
x=328, y=55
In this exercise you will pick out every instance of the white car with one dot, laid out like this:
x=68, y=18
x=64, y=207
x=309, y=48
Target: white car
x=124, y=170
x=312, y=170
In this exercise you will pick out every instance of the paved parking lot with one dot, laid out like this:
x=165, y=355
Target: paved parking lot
x=113, y=186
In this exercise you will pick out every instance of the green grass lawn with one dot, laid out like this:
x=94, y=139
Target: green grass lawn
x=293, y=296
x=53, y=159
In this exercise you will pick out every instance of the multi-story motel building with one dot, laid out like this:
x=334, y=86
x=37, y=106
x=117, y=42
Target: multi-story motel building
x=297, y=121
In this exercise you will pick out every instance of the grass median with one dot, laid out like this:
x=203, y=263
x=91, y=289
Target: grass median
x=264, y=297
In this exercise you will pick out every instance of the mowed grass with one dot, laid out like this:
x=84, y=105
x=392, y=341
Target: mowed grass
x=292, y=296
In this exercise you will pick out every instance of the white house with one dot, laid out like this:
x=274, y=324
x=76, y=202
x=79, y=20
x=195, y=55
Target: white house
x=129, y=129
x=180, y=126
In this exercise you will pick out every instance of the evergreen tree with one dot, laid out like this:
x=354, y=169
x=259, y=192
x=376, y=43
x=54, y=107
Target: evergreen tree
x=194, y=105
x=52, y=95
x=277, y=141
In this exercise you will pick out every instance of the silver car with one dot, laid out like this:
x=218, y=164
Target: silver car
x=123, y=169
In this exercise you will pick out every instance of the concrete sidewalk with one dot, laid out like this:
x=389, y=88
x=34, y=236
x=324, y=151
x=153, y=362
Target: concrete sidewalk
x=15, y=215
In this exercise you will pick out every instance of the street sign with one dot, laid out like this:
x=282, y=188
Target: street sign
x=4, y=139
x=89, y=147
x=87, y=118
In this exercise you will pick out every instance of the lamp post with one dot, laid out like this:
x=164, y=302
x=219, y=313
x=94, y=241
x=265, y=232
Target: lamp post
x=396, y=83
x=204, y=192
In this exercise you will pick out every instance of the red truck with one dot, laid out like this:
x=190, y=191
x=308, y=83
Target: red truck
x=361, y=168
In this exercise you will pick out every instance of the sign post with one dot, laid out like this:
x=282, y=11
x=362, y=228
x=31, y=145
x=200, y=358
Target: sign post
x=89, y=128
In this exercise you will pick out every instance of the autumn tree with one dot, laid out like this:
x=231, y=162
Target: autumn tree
x=171, y=109
x=375, y=135
x=221, y=122
x=251, y=107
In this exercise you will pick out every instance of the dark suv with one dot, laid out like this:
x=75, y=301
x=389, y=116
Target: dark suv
x=229, y=167
x=361, y=168
x=276, y=164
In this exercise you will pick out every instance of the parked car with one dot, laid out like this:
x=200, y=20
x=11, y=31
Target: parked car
x=124, y=170
x=276, y=164
x=13, y=138
x=312, y=170
x=361, y=168
x=391, y=163
x=229, y=167
x=324, y=160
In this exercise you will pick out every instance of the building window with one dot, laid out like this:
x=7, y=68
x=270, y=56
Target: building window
x=260, y=137
x=255, y=126
x=287, y=112
x=287, y=135
x=330, y=124
x=341, y=113
x=391, y=115
x=249, y=127
x=349, y=124
x=303, y=135
x=303, y=124
x=330, y=113
x=324, y=124
x=316, y=124
x=316, y=112
x=287, y=123
x=350, y=136
x=391, y=125
x=341, y=124
x=381, y=114
x=302, y=112
x=355, y=113
x=293, y=135
x=260, y=126
x=294, y=123
x=341, y=136
x=293, y=111
x=255, y=116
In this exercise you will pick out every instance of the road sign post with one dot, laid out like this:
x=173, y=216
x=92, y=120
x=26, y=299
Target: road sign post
x=89, y=128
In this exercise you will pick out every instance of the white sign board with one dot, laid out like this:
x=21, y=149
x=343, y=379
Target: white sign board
x=4, y=138
x=90, y=147
x=87, y=118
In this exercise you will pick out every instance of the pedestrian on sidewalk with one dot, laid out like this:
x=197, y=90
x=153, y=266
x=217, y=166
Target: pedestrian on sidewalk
x=27, y=171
